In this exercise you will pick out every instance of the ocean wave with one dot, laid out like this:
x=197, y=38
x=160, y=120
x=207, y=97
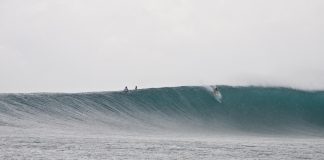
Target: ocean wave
x=245, y=109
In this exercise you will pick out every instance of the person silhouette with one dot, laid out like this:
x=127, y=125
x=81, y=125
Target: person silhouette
x=126, y=90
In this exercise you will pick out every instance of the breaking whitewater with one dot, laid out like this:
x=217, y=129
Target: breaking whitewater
x=164, y=123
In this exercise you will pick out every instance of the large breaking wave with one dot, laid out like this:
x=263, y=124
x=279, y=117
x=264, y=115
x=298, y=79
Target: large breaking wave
x=195, y=109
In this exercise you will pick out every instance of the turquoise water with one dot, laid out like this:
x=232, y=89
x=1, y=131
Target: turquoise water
x=265, y=110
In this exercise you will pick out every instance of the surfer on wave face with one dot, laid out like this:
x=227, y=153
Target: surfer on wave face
x=215, y=89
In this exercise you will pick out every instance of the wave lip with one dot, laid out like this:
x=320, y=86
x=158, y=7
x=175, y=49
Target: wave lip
x=250, y=109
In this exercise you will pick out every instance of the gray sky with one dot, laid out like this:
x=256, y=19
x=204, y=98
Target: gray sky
x=89, y=45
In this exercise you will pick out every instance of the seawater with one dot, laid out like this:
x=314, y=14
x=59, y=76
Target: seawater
x=164, y=123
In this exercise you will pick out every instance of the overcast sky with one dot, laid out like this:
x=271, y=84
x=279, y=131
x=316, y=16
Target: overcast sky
x=96, y=45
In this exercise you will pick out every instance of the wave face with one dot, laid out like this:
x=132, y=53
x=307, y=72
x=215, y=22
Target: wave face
x=243, y=109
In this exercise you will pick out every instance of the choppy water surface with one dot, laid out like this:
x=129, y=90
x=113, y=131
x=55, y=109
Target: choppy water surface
x=154, y=148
